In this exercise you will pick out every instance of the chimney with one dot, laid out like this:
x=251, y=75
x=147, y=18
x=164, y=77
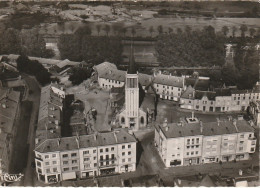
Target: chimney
x=166, y=128
x=0, y=130
x=77, y=140
x=201, y=127
x=56, y=122
x=95, y=136
x=218, y=121
x=235, y=124
x=115, y=137
x=52, y=131
x=160, y=72
x=58, y=141
x=179, y=182
x=192, y=115
x=165, y=122
x=36, y=141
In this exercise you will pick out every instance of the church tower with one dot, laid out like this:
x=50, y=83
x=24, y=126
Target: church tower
x=132, y=94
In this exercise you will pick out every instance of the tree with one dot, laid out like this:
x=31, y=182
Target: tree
x=78, y=75
x=243, y=29
x=33, y=67
x=151, y=30
x=107, y=29
x=179, y=31
x=187, y=29
x=225, y=30
x=123, y=30
x=133, y=31
x=10, y=42
x=234, y=30
x=160, y=29
x=98, y=27
x=252, y=32
x=170, y=30
x=201, y=48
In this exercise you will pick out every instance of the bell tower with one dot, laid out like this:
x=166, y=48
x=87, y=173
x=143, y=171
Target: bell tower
x=132, y=95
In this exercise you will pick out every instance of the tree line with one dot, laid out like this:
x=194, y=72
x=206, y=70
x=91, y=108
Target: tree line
x=95, y=49
x=28, y=42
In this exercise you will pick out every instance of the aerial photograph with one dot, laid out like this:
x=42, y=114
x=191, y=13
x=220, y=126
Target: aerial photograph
x=133, y=93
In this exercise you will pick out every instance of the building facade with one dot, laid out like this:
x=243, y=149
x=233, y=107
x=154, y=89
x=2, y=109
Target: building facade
x=219, y=100
x=85, y=156
x=192, y=142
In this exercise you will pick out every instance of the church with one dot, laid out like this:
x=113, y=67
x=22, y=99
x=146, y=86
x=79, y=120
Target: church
x=131, y=115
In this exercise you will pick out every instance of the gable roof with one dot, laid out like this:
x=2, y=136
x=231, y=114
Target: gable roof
x=169, y=80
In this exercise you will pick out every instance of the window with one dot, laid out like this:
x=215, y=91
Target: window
x=188, y=147
x=53, y=155
x=101, y=164
x=123, y=154
x=252, y=149
x=197, y=140
x=107, y=157
x=192, y=141
x=54, y=162
x=94, y=158
x=101, y=150
x=107, y=149
x=241, y=142
x=123, y=147
x=240, y=148
x=39, y=164
x=101, y=158
x=65, y=162
x=122, y=120
x=235, y=98
x=86, y=166
x=253, y=142
x=85, y=152
x=123, y=160
x=94, y=151
x=86, y=159
x=95, y=164
x=197, y=146
x=188, y=141
x=75, y=168
x=192, y=153
x=39, y=170
x=107, y=163
x=47, y=163
x=129, y=159
x=73, y=154
x=65, y=169
x=187, y=153
x=197, y=152
x=46, y=156
x=242, y=136
x=250, y=135
x=54, y=169
x=142, y=120
x=112, y=149
x=65, y=155
x=48, y=170
x=129, y=153
x=192, y=147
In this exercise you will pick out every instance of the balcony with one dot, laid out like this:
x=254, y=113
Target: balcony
x=254, y=138
x=109, y=165
x=105, y=160
x=38, y=158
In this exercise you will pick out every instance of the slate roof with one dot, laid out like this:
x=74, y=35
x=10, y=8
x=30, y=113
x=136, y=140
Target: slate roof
x=188, y=93
x=85, y=141
x=169, y=80
x=209, y=128
x=223, y=92
x=209, y=94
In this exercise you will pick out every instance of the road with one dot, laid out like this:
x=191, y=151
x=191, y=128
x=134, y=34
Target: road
x=34, y=96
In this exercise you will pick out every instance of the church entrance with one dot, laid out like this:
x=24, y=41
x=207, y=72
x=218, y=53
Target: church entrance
x=132, y=125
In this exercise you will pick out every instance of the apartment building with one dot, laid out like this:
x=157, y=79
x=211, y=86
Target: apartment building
x=254, y=109
x=85, y=156
x=9, y=117
x=168, y=86
x=192, y=142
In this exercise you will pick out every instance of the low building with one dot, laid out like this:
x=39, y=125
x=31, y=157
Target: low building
x=85, y=156
x=50, y=113
x=254, y=109
x=192, y=142
x=219, y=100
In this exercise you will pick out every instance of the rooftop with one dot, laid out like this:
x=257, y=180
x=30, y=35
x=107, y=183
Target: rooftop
x=175, y=130
x=169, y=80
x=85, y=141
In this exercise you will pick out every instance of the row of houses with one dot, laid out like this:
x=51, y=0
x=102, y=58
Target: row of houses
x=9, y=115
x=191, y=93
x=193, y=142
x=60, y=158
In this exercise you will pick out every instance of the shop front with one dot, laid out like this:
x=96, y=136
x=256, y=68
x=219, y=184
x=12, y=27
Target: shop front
x=191, y=161
x=107, y=171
